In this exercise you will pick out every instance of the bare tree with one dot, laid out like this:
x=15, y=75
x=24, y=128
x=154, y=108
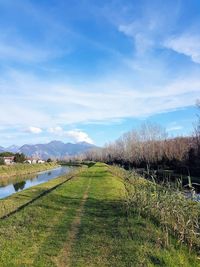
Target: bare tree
x=149, y=146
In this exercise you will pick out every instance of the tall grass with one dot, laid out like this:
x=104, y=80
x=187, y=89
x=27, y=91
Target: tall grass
x=20, y=169
x=165, y=205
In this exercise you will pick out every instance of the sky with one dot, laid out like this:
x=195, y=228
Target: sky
x=85, y=70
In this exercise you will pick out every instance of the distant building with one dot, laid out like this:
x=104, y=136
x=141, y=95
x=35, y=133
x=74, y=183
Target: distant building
x=8, y=160
x=33, y=161
x=28, y=161
x=40, y=161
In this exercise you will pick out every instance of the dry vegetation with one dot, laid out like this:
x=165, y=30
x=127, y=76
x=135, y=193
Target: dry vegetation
x=164, y=205
x=149, y=147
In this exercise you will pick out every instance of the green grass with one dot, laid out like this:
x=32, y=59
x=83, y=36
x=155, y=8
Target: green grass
x=108, y=237
x=41, y=233
x=20, y=169
x=15, y=179
x=33, y=236
x=10, y=204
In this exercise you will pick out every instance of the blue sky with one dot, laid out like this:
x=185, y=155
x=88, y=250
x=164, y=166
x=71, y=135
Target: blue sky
x=84, y=70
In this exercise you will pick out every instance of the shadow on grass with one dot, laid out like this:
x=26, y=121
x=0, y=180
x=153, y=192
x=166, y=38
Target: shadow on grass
x=106, y=236
x=40, y=194
x=106, y=211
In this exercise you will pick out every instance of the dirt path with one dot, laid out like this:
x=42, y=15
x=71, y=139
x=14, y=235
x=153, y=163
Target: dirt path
x=64, y=259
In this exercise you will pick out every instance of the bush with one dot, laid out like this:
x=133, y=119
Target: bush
x=19, y=158
x=1, y=161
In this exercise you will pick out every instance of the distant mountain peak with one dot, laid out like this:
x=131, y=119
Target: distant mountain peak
x=84, y=143
x=53, y=149
x=55, y=142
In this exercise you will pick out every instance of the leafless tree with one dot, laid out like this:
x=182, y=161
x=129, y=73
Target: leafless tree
x=147, y=146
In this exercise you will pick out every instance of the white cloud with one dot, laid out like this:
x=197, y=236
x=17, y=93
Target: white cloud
x=148, y=30
x=44, y=103
x=174, y=128
x=79, y=136
x=34, y=130
x=143, y=39
x=75, y=135
x=187, y=44
x=21, y=52
x=129, y=81
x=56, y=130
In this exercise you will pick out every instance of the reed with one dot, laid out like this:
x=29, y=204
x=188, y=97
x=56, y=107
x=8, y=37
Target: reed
x=165, y=205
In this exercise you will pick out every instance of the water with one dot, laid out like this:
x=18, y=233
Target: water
x=190, y=195
x=11, y=186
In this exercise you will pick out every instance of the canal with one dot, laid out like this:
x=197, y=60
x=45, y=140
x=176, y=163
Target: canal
x=9, y=186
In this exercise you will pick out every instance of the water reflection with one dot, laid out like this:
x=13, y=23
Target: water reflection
x=9, y=186
x=19, y=186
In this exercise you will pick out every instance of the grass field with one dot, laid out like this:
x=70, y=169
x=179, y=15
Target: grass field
x=21, y=169
x=17, y=200
x=83, y=222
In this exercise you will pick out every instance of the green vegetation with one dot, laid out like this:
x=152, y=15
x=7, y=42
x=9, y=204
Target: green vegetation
x=14, y=202
x=6, y=154
x=15, y=179
x=85, y=222
x=19, y=158
x=1, y=161
x=21, y=169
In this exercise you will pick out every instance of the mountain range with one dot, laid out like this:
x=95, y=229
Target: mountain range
x=54, y=149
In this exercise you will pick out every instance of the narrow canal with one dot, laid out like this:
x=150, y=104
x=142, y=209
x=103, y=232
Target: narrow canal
x=9, y=186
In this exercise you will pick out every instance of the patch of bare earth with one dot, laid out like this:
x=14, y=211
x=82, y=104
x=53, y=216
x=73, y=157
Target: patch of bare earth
x=64, y=258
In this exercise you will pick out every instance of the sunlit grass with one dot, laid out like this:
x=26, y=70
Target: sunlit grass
x=20, y=169
x=19, y=199
x=109, y=234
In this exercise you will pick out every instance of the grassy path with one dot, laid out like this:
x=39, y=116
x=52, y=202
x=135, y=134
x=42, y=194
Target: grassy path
x=83, y=223
x=63, y=259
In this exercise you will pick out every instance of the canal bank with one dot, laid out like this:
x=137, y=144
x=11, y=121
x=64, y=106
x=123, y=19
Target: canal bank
x=14, y=184
x=22, y=169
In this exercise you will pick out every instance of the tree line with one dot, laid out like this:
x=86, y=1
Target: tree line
x=150, y=147
x=18, y=157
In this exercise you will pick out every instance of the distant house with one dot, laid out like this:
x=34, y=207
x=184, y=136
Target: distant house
x=8, y=160
x=40, y=161
x=28, y=161
x=33, y=161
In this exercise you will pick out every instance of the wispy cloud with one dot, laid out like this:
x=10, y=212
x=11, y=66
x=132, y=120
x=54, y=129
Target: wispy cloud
x=28, y=39
x=73, y=104
x=174, y=128
x=34, y=130
x=24, y=52
x=122, y=67
x=187, y=44
x=56, y=130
